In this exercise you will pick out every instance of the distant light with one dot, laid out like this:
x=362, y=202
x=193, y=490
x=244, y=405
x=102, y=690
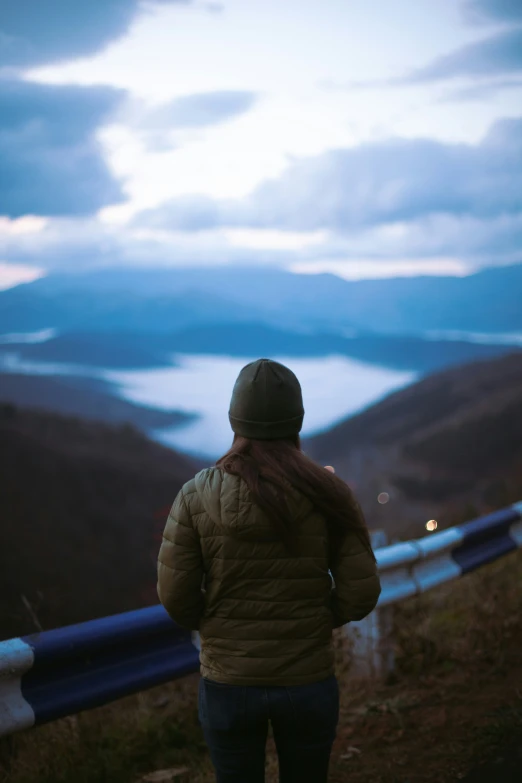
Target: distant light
x=383, y=497
x=431, y=524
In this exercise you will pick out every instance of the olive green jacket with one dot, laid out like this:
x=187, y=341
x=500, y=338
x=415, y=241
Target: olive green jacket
x=264, y=618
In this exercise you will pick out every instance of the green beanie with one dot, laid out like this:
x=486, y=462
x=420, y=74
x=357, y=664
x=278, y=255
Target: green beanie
x=266, y=403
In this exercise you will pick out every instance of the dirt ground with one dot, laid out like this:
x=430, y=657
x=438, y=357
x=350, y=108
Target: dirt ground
x=448, y=726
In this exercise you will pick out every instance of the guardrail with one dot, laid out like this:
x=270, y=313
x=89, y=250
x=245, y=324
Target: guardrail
x=52, y=674
x=413, y=567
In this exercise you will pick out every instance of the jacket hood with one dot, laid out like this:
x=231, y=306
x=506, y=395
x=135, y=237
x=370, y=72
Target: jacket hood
x=228, y=502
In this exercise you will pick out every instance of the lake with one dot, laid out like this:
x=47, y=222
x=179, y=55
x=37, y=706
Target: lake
x=333, y=388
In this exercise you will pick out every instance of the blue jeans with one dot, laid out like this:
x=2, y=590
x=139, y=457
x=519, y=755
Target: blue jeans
x=234, y=719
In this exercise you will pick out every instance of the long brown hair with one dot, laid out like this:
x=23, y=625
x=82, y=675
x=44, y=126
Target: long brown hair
x=269, y=466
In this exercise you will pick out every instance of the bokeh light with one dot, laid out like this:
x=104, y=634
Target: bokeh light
x=431, y=524
x=383, y=497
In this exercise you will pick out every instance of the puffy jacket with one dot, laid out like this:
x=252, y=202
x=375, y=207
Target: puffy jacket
x=264, y=618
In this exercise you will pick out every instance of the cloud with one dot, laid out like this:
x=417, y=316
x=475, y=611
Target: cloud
x=38, y=32
x=396, y=180
x=408, y=199
x=481, y=91
x=214, y=8
x=494, y=55
x=185, y=213
x=201, y=109
x=157, y=127
x=473, y=240
x=500, y=53
x=69, y=243
x=14, y=274
x=50, y=161
x=494, y=10
x=462, y=242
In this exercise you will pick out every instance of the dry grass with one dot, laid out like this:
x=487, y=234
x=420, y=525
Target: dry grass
x=456, y=695
x=455, y=698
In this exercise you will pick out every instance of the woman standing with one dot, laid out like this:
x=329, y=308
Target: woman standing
x=264, y=528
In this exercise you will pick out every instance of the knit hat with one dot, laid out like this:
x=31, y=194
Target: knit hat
x=266, y=403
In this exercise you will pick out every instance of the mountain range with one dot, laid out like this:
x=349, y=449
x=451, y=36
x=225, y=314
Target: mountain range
x=126, y=350
x=160, y=301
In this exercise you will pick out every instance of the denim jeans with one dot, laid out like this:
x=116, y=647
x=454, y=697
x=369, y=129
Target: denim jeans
x=235, y=718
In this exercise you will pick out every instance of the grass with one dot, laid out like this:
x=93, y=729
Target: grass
x=454, y=700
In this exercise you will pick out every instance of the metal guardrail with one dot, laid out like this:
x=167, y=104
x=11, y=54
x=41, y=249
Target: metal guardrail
x=413, y=567
x=48, y=675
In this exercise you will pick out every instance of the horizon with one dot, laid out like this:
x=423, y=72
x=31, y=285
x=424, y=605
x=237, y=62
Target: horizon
x=28, y=275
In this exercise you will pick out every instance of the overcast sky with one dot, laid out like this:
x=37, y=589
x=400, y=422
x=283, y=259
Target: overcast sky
x=363, y=137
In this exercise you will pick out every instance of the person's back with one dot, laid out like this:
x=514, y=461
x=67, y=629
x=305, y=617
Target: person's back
x=247, y=557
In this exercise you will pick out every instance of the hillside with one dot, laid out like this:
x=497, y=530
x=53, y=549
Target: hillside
x=453, y=438
x=164, y=300
x=82, y=506
x=89, y=398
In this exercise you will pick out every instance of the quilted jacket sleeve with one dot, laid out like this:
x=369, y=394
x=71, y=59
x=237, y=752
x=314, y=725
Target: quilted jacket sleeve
x=357, y=585
x=180, y=567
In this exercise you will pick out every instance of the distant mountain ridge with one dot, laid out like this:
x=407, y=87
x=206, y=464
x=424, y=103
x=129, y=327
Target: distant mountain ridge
x=126, y=350
x=165, y=300
x=30, y=307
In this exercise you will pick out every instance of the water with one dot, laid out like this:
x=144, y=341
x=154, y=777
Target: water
x=333, y=388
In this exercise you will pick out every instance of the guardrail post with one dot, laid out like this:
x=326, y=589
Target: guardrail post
x=371, y=638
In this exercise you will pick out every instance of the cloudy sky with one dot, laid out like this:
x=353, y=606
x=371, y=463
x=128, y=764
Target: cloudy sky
x=363, y=137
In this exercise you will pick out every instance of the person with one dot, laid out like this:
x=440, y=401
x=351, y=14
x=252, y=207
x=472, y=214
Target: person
x=267, y=528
